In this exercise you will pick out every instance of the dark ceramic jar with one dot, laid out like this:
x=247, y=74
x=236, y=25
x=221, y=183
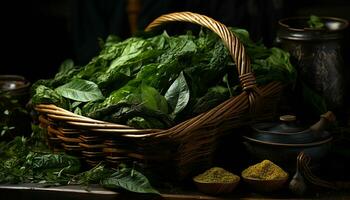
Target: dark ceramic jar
x=16, y=86
x=317, y=55
x=14, y=117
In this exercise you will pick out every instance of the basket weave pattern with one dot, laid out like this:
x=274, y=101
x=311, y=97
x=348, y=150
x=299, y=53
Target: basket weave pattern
x=185, y=146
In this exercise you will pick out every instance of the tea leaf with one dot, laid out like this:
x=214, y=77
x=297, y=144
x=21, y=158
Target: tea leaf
x=315, y=22
x=129, y=179
x=178, y=94
x=80, y=90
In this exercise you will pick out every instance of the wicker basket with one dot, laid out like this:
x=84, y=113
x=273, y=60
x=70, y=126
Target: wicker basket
x=181, y=149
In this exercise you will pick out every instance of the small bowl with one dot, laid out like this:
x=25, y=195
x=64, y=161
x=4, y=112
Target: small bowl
x=17, y=87
x=216, y=188
x=265, y=185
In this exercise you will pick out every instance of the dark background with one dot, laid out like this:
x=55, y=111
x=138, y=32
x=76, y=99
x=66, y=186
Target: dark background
x=38, y=35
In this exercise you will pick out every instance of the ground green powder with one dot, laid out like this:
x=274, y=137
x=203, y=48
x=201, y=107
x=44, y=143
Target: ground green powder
x=266, y=170
x=216, y=175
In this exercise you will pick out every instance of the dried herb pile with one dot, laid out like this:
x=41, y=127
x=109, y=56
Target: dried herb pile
x=27, y=160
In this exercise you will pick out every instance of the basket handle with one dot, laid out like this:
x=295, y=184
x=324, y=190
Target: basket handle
x=235, y=47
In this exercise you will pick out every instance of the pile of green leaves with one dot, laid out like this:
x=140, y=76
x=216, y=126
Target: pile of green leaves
x=27, y=160
x=158, y=81
x=19, y=164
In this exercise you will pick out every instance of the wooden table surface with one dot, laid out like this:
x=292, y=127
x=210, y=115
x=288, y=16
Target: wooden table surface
x=74, y=192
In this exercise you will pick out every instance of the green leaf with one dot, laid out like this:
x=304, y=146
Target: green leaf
x=213, y=97
x=66, y=72
x=315, y=22
x=137, y=51
x=152, y=99
x=138, y=122
x=148, y=96
x=3, y=131
x=77, y=111
x=130, y=180
x=44, y=94
x=94, y=175
x=53, y=162
x=80, y=90
x=76, y=104
x=178, y=94
x=66, y=67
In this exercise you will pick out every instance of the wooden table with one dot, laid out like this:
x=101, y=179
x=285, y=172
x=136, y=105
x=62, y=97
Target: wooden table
x=75, y=192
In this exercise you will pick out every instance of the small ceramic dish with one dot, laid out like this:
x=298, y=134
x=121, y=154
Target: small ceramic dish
x=215, y=181
x=216, y=188
x=265, y=185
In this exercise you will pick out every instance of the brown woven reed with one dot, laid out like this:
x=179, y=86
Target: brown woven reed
x=184, y=147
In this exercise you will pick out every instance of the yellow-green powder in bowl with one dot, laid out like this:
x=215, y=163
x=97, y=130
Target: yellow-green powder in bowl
x=216, y=175
x=265, y=170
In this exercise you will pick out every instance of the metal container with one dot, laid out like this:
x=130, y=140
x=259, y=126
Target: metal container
x=317, y=55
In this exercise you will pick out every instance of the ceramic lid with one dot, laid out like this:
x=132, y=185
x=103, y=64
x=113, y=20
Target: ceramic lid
x=287, y=124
